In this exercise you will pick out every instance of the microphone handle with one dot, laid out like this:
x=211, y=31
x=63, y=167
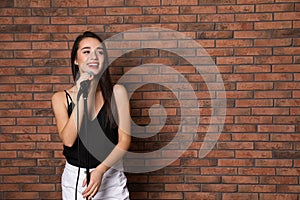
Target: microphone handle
x=84, y=88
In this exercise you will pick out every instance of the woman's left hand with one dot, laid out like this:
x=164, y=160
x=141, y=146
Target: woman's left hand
x=94, y=185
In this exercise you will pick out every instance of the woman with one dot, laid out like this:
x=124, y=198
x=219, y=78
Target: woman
x=107, y=106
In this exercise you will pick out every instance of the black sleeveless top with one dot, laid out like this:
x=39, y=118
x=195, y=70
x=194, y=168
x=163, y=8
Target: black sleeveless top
x=90, y=149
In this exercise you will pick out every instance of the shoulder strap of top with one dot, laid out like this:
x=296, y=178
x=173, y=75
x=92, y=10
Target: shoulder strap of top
x=69, y=98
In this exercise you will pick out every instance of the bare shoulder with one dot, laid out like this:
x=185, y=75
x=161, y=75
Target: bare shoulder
x=120, y=91
x=58, y=96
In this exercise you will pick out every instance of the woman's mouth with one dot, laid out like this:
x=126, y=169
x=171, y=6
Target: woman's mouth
x=93, y=65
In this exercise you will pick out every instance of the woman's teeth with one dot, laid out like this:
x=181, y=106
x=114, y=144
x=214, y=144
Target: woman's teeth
x=93, y=65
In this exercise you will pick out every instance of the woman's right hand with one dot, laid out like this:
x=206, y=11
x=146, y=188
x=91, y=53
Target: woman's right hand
x=85, y=76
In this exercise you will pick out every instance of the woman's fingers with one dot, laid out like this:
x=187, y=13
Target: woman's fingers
x=84, y=182
x=91, y=190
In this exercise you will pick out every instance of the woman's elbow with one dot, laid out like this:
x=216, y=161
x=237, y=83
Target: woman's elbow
x=67, y=142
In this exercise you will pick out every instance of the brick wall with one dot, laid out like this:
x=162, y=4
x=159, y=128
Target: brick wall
x=256, y=47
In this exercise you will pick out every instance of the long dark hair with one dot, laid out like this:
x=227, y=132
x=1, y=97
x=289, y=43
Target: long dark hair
x=104, y=83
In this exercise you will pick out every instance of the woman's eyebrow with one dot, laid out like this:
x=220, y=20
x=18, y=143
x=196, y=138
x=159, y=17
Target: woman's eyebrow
x=90, y=48
x=85, y=48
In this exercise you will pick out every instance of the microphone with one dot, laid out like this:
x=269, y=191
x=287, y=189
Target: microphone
x=84, y=85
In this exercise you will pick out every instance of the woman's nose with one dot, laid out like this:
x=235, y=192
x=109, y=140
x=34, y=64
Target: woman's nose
x=94, y=55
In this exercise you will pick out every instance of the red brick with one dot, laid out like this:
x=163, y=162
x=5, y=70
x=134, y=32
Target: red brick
x=47, y=12
x=272, y=25
x=161, y=10
x=278, y=180
x=235, y=162
x=142, y=3
x=197, y=9
x=123, y=11
x=274, y=8
x=252, y=68
x=253, y=120
x=21, y=145
x=286, y=85
x=253, y=51
x=216, y=34
x=32, y=37
x=286, y=119
x=241, y=26
x=31, y=20
x=21, y=179
x=73, y=3
x=216, y=18
x=233, y=43
x=38, y=187
x=218, y=171
x=106, y=3
x=273, y=145
x=254, y=17
x=272, y=42
x=240, y=196
x=285, y=137
x=274, y=60
x=257, y=188
x=236, y=9
x=68, y=20
x=202, y=179
x=180, y=18
x=286, y=16
x=287, y=51
x=35, y=154
x=256, y=171
x=182, y=187
x=32, y=54
x=202, y=195
x=217, y=2
x=255, y=1
x=240, y=179
x=6, y=20
x=234, y=60
x=49, y=45
x=274, y=163
x=219, y=187
x=165, y=195
x=254, y=103
x=29, y=3
x=121, y=27
x=49, y=28
x=270, y=111
x=196, y=27
x=278, y=196
x=252, y=34
x=141, y=19
x=15, y=12
x=21, y=195
x=253, y=154
x=276, y=128
x=179, y=2
x=271, y=94
x=6, y=4
x=9, y=187
x=235, y=145
x=288, y=171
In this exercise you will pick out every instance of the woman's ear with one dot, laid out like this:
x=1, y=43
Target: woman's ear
x=75, y=62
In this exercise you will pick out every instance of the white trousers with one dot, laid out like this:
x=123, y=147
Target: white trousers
x=113, y=185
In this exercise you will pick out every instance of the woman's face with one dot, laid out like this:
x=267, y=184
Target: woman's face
x=90, y=55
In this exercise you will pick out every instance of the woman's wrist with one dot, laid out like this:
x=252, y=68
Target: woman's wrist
x=102, y=168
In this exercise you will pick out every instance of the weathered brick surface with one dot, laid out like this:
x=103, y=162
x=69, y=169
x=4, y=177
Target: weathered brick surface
x=255, y=45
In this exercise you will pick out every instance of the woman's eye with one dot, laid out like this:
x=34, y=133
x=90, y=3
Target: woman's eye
x=86, y=52
x=101, y=52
